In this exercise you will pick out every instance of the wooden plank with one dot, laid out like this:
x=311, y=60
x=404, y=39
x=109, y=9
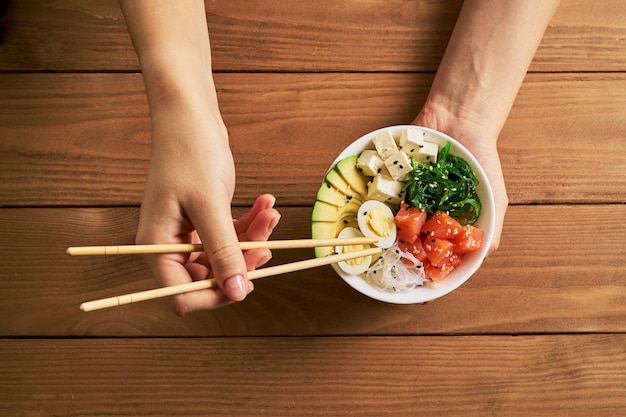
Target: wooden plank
x=578, y=30
x=563, y=141
x=67, y=35
x=559, y=269
x=83, y=139
x=271, y=35
x=574, y=376
x=74, y=135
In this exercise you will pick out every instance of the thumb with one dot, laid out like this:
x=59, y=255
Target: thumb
x=219, y=240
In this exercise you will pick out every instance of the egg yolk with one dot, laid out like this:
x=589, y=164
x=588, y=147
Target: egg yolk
x=379, y=222
x=353, y=248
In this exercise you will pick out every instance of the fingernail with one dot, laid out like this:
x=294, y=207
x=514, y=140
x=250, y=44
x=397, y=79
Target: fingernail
x=236, y=287
x=273, y=223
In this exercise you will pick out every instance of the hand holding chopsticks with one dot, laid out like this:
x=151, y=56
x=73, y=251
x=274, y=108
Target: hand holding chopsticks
x=208, y=283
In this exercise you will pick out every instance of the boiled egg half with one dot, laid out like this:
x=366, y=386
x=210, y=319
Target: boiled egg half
x=353, y=266
x=376, y=220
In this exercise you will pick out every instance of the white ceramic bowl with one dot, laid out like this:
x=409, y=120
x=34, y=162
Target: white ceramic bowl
x=471, y=261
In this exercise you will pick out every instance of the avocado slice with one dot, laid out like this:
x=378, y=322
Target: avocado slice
x=329, y=194
x=337, y=202
x=352, y=175
x=336, y=180
x=323, y=230
x=330, y=230
x=324, y=212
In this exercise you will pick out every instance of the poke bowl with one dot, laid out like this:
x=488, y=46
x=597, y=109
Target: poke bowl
x=424, y=196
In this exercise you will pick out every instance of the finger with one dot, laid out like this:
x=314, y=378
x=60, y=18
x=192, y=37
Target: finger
x=211, y=298
x=256, y=258
x=169, y=271
x=202, y=299
x=214, y=224
x=198, y=271
x=257, y=224
x=260, y=227
x=262, y=202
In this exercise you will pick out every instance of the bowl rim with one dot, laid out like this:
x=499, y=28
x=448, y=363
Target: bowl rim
x=471, y=261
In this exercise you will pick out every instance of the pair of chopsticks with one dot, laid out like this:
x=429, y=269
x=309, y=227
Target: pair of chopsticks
x=209, y=283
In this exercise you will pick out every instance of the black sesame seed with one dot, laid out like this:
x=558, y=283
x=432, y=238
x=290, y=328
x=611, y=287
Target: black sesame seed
x=395, y=162
x=401, y=167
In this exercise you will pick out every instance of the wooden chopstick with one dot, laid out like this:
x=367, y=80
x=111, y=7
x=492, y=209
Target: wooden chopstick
x=190, y=247
x=208, y=283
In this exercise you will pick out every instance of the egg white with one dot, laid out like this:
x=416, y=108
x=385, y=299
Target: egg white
x=353, y=269
x=383, y=241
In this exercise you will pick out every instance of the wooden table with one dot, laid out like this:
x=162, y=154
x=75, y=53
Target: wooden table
x=539, y=331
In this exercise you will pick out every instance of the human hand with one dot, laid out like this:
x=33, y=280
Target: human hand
x=482, y=144
x=486, y=60
x=191, y=179
x=187, y=199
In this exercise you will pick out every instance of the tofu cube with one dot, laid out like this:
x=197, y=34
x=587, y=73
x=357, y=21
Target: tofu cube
x=385, y=144
x=370, y=163
x=384, y=170
x=385, y=189
x=427, y=153
x=411, y=139
x=399, y=166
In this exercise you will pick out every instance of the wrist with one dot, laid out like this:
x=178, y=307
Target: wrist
x=457, y=120
x=176, y=80
x=179, y=93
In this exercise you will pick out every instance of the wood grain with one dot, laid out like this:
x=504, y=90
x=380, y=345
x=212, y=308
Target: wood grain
x=545, y=277
x=269, y=35
x=89, y=146
x=358, y=376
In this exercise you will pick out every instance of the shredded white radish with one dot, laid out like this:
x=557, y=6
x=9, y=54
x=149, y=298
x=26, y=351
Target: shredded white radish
x=391, y=274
